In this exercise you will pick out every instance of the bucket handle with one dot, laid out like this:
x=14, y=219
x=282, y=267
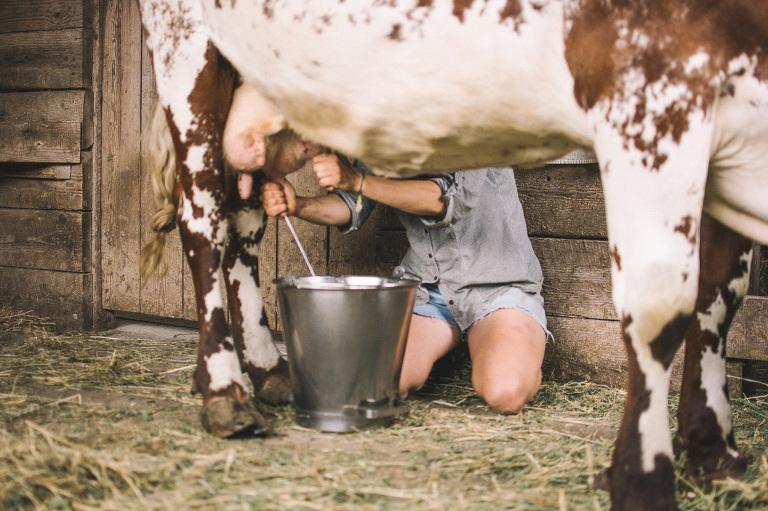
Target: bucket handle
x=371, y=409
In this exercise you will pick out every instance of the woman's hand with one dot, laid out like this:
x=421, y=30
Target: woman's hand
x=333, y=172
x=278, y=199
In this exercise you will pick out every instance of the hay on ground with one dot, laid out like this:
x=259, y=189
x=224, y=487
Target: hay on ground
x=107, y=422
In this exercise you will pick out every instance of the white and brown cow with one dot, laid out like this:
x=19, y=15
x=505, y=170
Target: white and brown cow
x=671, y=94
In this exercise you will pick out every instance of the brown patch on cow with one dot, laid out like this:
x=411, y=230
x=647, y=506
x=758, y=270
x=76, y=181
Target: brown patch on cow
x=459, y=6
x=658, y=39
x=512, y=10
x=269, y=9
x=687, y=227
x=587, y=48
x=664, y=347
x=675, y=31
x=615, y=257
x=395, y=34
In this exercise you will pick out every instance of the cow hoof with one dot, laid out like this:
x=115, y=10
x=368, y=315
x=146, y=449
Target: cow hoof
x=273, y=386
x=226, y=418
x=727, y=466
x=276, y=390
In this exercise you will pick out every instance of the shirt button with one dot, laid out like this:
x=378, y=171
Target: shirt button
x=450, y=302
x=430, y=256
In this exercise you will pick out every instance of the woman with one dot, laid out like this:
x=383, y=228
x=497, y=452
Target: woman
x=469, y=245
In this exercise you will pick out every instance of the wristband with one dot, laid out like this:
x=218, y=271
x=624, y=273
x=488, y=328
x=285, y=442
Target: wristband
x=359, y=204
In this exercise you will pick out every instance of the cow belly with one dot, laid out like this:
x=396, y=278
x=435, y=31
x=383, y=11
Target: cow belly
x=737, y=185
x=737, y=198
x=335, y=71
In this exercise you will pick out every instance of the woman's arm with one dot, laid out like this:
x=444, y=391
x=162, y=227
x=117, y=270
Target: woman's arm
x=281, y=200
x=418, y=197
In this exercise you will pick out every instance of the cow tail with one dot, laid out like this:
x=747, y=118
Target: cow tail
x=159, y=159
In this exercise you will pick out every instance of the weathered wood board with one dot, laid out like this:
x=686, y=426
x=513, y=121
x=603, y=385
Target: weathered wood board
x=63, y=297
x=45, y=239
x=63, y=55
x=46, y=164
x=44, y=15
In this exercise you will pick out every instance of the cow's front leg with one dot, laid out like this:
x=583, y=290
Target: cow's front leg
x=705, y=426
x=653, y=201
x=195, y=86
x=227, y=406
x=259, y=356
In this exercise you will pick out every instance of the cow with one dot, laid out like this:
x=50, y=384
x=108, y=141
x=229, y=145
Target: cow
x=672, y=96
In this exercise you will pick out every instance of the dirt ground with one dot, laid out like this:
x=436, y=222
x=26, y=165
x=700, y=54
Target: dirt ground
x=107, y=422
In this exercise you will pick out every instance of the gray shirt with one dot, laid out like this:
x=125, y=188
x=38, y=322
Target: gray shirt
x=475, y=252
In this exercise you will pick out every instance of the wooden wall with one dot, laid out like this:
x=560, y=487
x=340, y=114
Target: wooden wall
x=46, y=159
x=564, y=210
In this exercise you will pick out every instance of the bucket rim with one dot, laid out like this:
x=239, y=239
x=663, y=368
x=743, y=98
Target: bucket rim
x=346, y=282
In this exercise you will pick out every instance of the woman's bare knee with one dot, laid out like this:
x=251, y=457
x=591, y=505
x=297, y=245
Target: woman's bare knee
x=508, y=396
x=428, y=340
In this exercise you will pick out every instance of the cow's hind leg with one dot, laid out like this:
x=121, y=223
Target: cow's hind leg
x=704, y=414
x=259, y=357
x=653, y=212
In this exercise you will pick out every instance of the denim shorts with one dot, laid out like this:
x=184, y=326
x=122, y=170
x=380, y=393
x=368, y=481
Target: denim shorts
x=513, y=298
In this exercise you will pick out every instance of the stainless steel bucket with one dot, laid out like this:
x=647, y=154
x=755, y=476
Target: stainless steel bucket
x=345, y=338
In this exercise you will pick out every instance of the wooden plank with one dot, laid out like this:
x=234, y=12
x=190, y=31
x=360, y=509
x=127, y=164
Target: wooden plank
x=26, y=16
x=163, y=293
x=563, y=201
x=40, y=142
x=49, y=240
x=758, y=276
x=35, y=171
x=58, y=59
x=121, y=124
x=748, y=337
x=577, y=278
x=355, y=253
x=391, y=247
x=50, y=106
x=46, y=193
x=755, y=378
x=388, y=220
x=592, y=350
x=61, y=296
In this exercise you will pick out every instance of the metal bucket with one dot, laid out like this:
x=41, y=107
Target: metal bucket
x=345, y=338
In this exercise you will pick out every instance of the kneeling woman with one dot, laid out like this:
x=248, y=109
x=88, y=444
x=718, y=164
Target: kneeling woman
x=469, y=245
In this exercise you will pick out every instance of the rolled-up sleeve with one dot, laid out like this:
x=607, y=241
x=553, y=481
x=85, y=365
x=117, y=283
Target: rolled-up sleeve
x=461, y=192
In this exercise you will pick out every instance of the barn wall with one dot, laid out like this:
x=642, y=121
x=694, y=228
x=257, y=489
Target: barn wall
x=46, y=158
x=564, y=209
